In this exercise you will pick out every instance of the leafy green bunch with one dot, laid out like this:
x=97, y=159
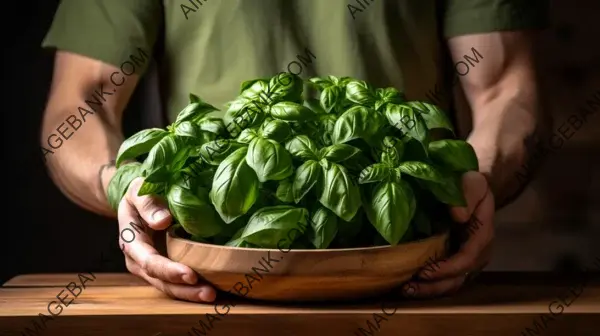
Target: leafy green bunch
x=348, y=164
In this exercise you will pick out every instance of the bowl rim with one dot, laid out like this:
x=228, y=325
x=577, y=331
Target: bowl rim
x=173, y=235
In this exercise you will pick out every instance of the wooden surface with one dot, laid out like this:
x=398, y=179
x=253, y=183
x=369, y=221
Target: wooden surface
x=119, y=304
x=314, y=274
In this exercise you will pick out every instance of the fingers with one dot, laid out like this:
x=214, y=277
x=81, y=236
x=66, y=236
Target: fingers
x=141, y=251
x=433, y=289
x=475, y=251
x=197, y=293
x=151, y=208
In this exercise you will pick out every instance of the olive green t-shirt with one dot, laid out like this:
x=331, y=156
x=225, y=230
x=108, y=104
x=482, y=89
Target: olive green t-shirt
x=209, y=47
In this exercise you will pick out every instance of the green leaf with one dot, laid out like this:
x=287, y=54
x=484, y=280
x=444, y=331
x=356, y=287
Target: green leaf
x=321, y=82
x=404, y=118
x=315, y=106
x=257, y=91
x=339, y=152
x=326, y=127
x=168, y=155
x=214, y=152
x=247, y=135
x=149, y=188
x=392, y=150
x=456, y=155
x=285, y=86
x=269, y=160
x=212, y=124
x=248, y=84
x=307, y=176
x=330, y=97
x=339, y=192
x=235, y=186
x=188, y=129
x=375, y=173
x=270, y=225
x=357, y=122
x=303, y=148
x=194, y=111
x=391, y=95
x=390, y=209
x=421, y=171
x=276, y=130
x=359, y=92
x=194, y=98
x=139, y=144
x=284, y=191
x=449, y=191
x=119, y=183
x=433, y=116
x=242, y=114
x=193, y=211
x=290, y=111
x=324, y=228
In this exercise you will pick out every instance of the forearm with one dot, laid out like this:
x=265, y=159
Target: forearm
x=81, y=128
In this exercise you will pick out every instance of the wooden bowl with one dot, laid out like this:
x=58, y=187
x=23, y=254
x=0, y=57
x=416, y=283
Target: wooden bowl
x=305, y=275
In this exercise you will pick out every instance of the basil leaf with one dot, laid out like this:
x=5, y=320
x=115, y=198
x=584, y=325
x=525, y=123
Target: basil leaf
x=326, y=126
x=339, y=152
x=139, y=144
x=404, y=118
x=375, y=173
x=324, y=228
x=390, y=209
x=314, y=105
x=270, y=225
x=330, y=97
x=449, y=191
x=247, y=135
x=359, y=92
x=307, y=176
x=169, y=154
x=290, y=111
x=258, y=91
x=320, y=83
x=284, y=191
x=303, y=148
x=357, y=122
x=269, y=160
x=214, y=152
x=421, y=171
x=243, y=114
x=211, y=124
x=119, y=183
x=235, y=186
x=149, y=188
x=276, y=130
x=194, y=111
x=286, y=86
x=248, y=84
x=194, y=98
x=392, y=150
x=339, y=192
x=193, y=211
x=188, y=129
x=433, y=116
x=456, y=155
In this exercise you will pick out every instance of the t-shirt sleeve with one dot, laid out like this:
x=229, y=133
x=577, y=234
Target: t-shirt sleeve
x=463, y=17
x=107, y=30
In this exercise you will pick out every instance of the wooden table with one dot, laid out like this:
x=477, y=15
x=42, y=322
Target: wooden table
x=120, y=304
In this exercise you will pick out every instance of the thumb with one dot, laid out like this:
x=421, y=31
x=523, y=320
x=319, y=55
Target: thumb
x=152, y=209
x=475, y=187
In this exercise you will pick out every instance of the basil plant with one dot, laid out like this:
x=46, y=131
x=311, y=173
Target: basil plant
x=341, y=162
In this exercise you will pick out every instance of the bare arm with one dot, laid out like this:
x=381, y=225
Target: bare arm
x=79, y=140
x=503, y=97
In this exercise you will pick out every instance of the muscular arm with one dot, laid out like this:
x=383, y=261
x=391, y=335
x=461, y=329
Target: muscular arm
x=503, y=97
x=78, y=156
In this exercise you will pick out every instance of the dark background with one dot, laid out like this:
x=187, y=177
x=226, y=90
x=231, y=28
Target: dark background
x=554, y=225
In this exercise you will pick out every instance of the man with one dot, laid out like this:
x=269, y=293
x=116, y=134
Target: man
x=210, y=47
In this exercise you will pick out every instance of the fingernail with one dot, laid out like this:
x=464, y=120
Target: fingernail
x=159, y=215
x=207, y=294
x=409, y=290
x=188, y=278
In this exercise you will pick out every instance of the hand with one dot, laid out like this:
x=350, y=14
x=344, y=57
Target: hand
x=476, y=223
x=142, y=259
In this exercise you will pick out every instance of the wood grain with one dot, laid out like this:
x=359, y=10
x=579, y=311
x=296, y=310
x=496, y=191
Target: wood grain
x=499, y=304
x=313, y=274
